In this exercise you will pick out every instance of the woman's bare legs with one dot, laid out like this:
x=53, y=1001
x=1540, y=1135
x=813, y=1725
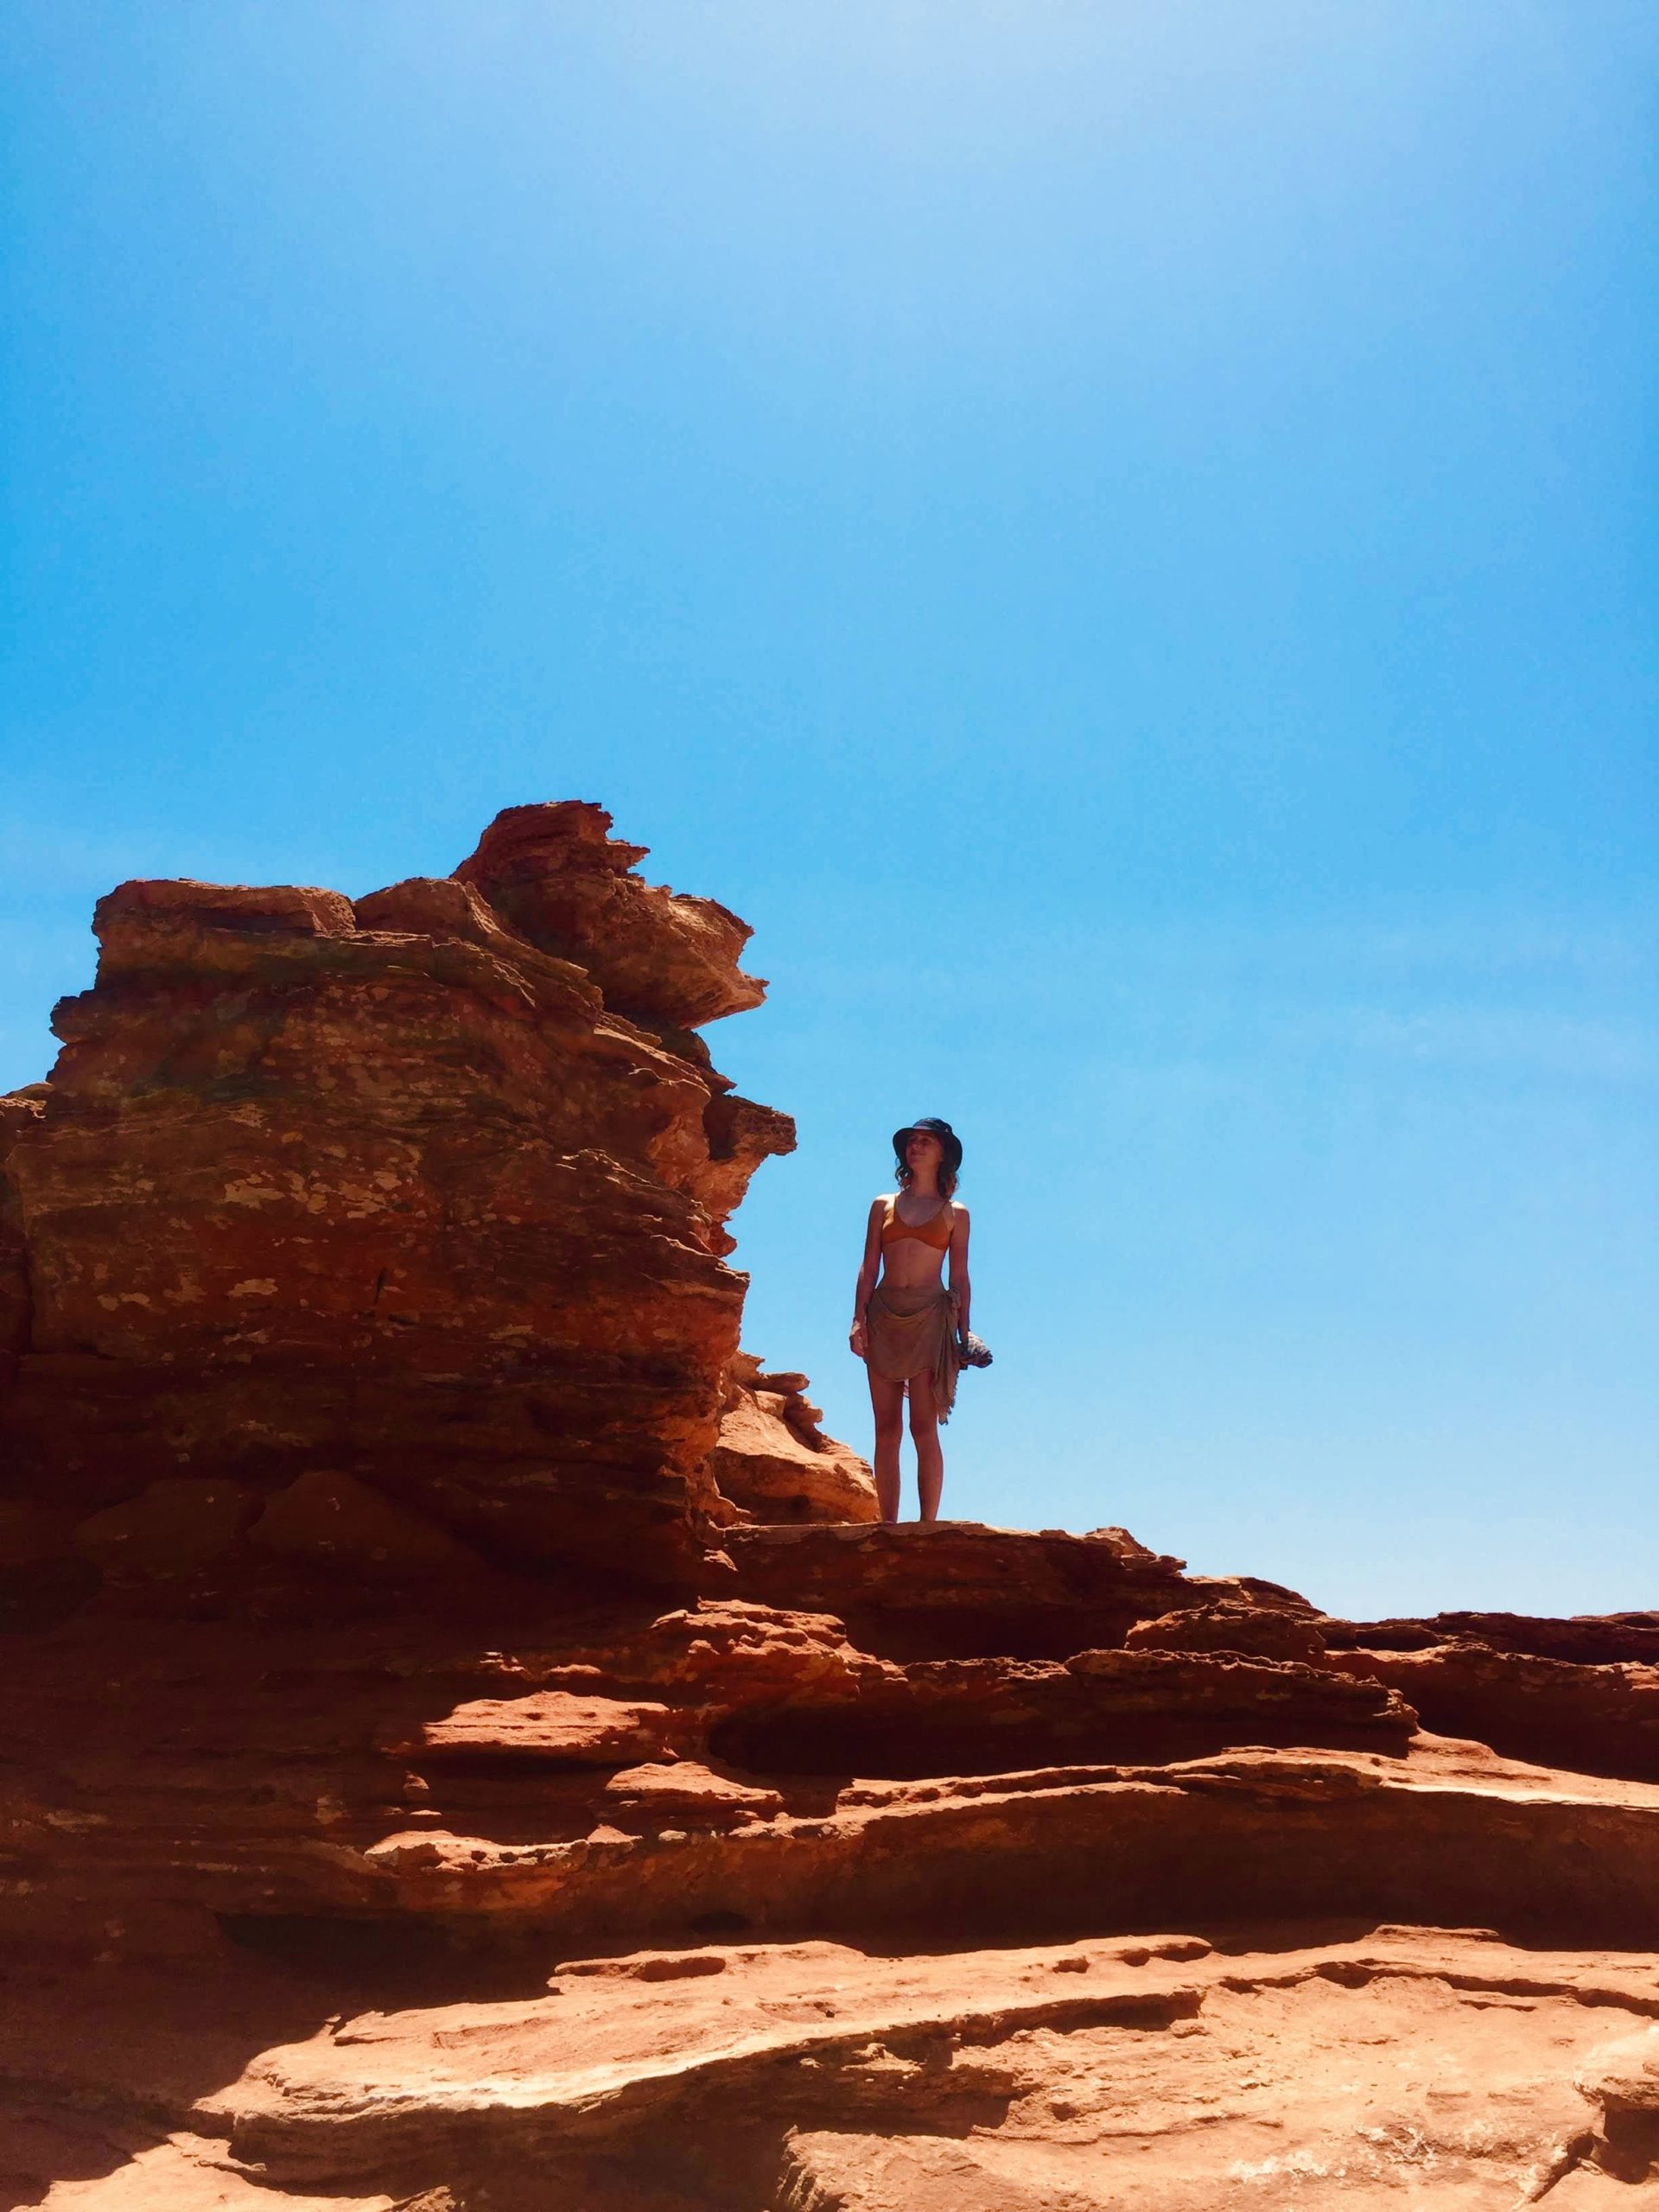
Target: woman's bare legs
x=887, y=1400
x=930, y=1452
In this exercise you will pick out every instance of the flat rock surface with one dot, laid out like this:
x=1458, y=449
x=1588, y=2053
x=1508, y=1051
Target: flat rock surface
x=1163, y=2070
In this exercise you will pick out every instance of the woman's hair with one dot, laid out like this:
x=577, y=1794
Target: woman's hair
x=947, y=1173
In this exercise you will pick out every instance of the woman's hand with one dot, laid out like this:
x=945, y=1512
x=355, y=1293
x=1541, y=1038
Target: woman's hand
x=859, y=1339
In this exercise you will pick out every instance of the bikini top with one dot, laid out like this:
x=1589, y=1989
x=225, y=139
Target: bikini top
x=935, y=1230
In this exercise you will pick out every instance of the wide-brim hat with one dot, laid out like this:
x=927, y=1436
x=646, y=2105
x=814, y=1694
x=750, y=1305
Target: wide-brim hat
x=930, y=1125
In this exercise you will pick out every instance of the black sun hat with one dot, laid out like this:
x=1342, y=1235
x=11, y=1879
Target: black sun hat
x=930, y=1125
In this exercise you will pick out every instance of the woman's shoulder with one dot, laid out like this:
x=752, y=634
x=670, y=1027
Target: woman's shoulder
x=882, y=1200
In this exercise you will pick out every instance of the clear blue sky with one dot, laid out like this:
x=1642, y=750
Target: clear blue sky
x=1121, y=537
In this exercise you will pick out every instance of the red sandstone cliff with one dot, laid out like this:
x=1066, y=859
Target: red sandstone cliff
x=464, y=1748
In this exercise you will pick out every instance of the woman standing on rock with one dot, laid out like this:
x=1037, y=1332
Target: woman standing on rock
x=908, y=1327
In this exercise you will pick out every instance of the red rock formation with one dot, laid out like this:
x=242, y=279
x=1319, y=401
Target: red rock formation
x=356, y=1260
x=773, y=1461
x=18, y=1114
x=1084, y=2077
x=1601, y=1719
x=955, y=1590
x=565, y=884
x=1589, y=1640
x=1237, y=1624
x=425, y=1193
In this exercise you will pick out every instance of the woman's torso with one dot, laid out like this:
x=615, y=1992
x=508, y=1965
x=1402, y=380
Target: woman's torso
x=912, y=1251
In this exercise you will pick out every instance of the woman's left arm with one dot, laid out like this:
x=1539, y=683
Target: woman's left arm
x=961, y=1288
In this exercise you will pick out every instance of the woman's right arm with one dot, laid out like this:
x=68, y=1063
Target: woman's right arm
x=859, y=1337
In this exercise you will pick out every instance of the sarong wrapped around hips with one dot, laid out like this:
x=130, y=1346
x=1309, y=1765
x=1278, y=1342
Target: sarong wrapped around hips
x=913, y=1333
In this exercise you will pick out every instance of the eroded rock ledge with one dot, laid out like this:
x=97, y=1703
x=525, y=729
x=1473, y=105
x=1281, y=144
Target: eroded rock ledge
x=607, y=1906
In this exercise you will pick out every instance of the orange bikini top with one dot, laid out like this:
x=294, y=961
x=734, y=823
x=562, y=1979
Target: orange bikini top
x=894, y=1227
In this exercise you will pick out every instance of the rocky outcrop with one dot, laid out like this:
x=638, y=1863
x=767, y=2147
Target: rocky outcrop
x=1237, y=1624
x=566, y=886
x=423, y=1193
x=19, y=1115
x=470, y=1748
x=773, y=1461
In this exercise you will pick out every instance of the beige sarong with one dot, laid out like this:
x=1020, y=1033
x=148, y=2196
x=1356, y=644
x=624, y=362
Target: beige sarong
x=914, y=1332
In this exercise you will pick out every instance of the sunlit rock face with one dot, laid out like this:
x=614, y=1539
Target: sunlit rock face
x=427, y=1188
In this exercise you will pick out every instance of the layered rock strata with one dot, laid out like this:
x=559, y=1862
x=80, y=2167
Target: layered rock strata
x=478, y=1910
x=425, y=1191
